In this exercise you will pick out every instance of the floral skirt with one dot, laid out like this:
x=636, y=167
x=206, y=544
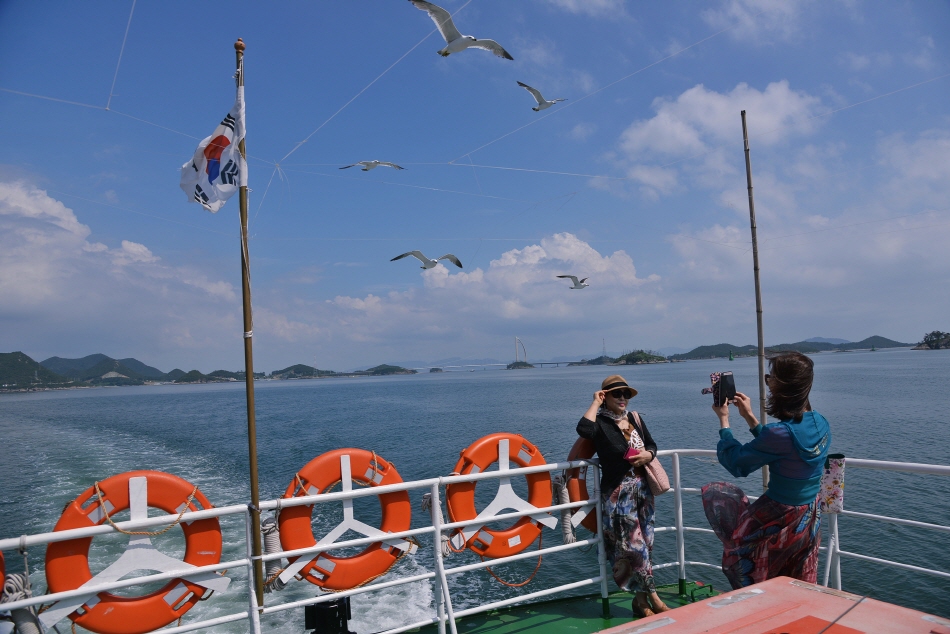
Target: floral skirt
x=628, y=533
x=764, y=539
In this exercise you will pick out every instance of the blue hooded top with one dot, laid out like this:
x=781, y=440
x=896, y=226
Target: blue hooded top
x=794, y=451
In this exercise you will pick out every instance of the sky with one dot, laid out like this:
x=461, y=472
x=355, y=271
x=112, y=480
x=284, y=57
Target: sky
x=637, y=181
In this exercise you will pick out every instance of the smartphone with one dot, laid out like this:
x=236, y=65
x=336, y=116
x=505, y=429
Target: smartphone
x=727, y=388
x=631, y=453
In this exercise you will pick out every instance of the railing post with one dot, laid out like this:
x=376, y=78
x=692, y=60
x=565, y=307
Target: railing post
x=253, y=608
x=601, y=546
x=836, y=561
x=446, y=602
x=680, y=533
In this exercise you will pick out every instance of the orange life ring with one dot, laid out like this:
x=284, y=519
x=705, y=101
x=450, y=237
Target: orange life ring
x=296, y=530
x=460, y=497
x=577, y=480
x=67, y=562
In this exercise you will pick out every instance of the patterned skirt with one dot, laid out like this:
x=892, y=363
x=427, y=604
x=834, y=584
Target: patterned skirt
x=764, y=539
x=628, y=533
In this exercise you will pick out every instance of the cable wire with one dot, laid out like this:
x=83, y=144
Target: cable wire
x=613, y=83
x=121, y=51
x=343, y=107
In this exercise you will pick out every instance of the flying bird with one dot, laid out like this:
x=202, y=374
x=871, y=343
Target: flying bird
x=371, y=165
x=456, y=41
x=542, y=102
x=578, y=284
x=426, y=262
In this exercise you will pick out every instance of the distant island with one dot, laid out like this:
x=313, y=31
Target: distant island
x=723, y=350
x=636, y=357
x=19, y=372
x=935, y=340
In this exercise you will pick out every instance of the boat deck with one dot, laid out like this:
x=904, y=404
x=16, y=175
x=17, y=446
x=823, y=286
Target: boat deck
x=573, y=615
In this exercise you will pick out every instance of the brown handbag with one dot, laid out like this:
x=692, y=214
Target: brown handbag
x=656, y=475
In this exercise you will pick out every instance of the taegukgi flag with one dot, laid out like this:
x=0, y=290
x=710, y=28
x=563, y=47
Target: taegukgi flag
x=217, y=169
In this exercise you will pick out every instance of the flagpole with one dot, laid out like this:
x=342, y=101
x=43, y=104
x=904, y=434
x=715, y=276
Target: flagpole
x=249, y=366
x=758, y=290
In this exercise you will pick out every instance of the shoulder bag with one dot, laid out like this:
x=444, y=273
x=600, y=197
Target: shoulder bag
x=656, y=475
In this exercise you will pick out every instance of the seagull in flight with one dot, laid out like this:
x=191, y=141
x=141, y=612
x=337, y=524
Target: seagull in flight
x=578, y=284
x=542, y=102
x=456, y=41
x=371, y=165
x=426, y=262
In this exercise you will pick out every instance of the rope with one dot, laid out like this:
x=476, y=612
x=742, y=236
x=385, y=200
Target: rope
x=445, y=539
x=559, y=486
x=271, y=534
x=402, y=553
x=526, y=581
x=148, y=533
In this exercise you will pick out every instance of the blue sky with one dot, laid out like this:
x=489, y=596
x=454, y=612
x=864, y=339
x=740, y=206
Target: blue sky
x=637, y=181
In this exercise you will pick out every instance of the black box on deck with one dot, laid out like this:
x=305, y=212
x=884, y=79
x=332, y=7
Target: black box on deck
x=328, y=618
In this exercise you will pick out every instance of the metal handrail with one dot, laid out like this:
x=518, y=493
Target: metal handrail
x=446, y=616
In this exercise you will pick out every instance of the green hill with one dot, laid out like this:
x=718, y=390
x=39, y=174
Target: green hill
x=719, y=350
x=174, y=375
x=194, y=377
x=227, y=375
x=640, y=356
x=99, y=369
x=722, y=350
x=601, y=360
x=384, y=370
x=18, y=372
x=300, y=371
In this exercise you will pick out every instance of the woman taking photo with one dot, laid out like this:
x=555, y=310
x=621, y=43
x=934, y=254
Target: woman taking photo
x=627, y=501
x=778, y=534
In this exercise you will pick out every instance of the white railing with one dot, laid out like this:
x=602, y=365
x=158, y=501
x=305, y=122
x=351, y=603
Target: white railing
x=446, y=615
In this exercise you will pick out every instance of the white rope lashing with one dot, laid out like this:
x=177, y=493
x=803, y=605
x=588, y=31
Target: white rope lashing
x=272, y=545
x=16, y=587
x=426, y=506
x=559, y=489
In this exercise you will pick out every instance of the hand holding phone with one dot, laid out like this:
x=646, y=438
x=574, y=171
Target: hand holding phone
x=631, y=454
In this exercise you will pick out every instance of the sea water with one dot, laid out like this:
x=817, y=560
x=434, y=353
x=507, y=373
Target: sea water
x=885, y=405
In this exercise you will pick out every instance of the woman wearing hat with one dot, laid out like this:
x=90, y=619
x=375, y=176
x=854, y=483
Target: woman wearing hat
x=627, y=501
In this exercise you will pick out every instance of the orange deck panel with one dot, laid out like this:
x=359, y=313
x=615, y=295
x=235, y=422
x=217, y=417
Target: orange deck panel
x=787, y=606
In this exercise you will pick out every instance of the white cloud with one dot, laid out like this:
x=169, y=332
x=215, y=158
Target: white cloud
x=132, y=252
x=923, y=57
x=596, y=8
x=860, y=62
x=760, y=21
x=519, y=289
x=827, y=266
x=63, y=293
x=582, y=131
x=699, y=119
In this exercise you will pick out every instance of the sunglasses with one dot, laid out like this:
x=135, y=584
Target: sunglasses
x=624, y=394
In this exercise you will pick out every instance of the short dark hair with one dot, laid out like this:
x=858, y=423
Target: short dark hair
x=792, y=374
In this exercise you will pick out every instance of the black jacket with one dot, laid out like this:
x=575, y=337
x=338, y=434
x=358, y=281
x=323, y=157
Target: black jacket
x=611, y=445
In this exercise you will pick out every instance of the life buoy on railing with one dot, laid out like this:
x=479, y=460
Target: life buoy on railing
x=344, y=466
x=67, y=562
x=460, y=497
x=577, y=483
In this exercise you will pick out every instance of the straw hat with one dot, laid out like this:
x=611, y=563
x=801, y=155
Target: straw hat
x=616, y=382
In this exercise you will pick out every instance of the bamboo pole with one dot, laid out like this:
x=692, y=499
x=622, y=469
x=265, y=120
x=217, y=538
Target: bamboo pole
x=249, y=366
x=758, y=290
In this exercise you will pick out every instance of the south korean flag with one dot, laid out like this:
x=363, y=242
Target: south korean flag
x=217, y=169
